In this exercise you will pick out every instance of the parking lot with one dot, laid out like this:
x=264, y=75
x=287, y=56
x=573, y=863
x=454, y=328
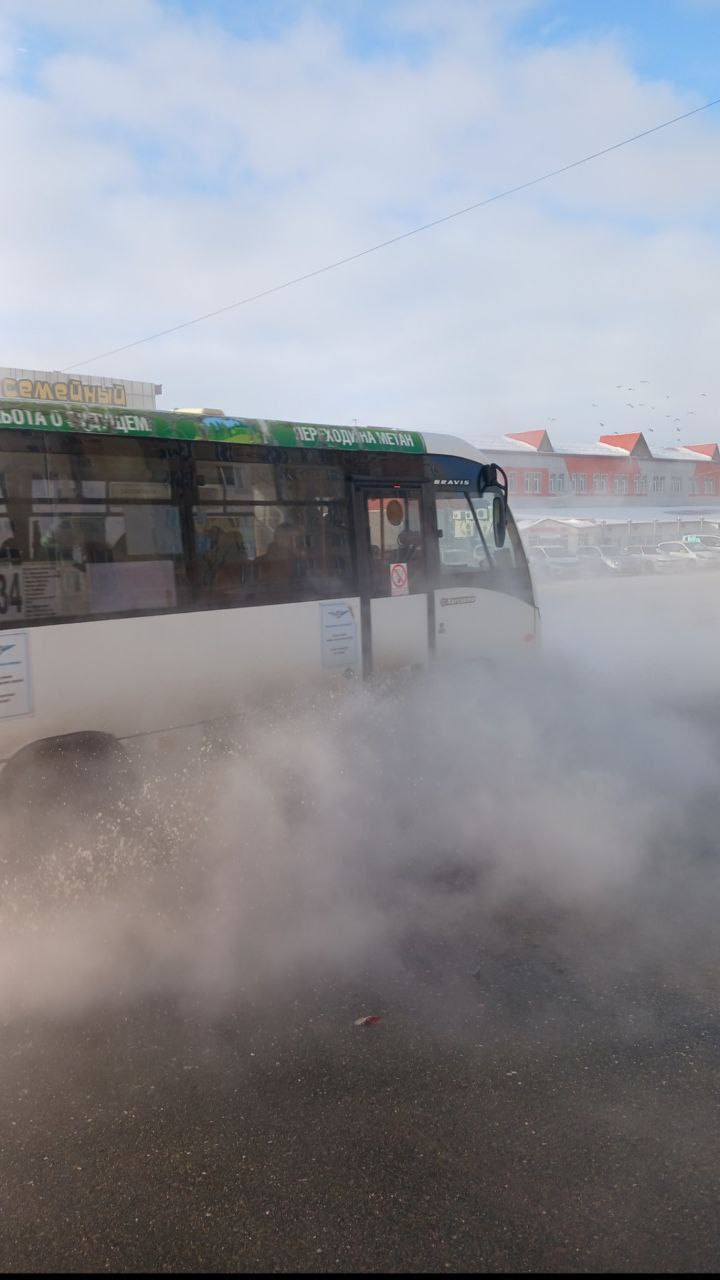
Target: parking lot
x=557, y=561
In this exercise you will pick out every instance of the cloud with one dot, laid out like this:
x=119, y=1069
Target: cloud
x=166, y=166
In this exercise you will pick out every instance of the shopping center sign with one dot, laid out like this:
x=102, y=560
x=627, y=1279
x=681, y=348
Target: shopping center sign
x=71, y=390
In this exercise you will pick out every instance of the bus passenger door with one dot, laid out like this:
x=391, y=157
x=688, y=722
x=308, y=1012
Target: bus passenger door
x=392, y=572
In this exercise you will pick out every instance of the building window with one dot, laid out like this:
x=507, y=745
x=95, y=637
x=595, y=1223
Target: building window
x=693, y=488
x=676, y=484
x=600, y=482
x=557, y=482
x=658, y=484
x=621, y=485
x=579, y=482
x=641, y=484
x=512, y=481
x=533, y=482
x=709, y=486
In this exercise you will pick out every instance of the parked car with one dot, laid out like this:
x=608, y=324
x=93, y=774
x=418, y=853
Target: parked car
x=705, y=545
x=646, y=558
x=554, y=562
x=709, y=540
x=597, y=561
x=680, y=552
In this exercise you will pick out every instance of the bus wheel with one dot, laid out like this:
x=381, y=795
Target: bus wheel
x=81, y=774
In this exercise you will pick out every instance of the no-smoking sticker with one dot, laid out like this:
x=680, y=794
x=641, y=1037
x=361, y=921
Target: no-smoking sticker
x=398, y=580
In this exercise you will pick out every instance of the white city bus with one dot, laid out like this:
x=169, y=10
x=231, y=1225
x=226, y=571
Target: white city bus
x=166, y=570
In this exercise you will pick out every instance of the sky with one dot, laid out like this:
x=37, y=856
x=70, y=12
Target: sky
x=166, y=158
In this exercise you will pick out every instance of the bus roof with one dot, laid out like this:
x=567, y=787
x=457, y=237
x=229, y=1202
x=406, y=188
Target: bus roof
x=81, y=420
x=454, y=447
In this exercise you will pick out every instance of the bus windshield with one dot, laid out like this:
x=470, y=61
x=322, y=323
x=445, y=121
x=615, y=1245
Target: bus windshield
x=465, y=523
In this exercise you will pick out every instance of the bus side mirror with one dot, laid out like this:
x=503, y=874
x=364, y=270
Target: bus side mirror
x=499, y=521
x=491, y=476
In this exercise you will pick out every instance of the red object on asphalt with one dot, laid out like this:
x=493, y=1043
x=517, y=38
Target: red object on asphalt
x=370, y=1020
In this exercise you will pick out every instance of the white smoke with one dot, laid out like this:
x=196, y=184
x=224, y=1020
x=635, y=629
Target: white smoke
x=571, y=802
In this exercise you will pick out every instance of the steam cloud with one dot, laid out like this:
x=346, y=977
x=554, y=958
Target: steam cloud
x=345, y=830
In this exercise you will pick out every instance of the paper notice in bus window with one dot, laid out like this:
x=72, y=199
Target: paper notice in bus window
x=128, y=587
x=12, y=601
x=42, y=591
x=15, y=692
x=53, y=590
x=339, y=636
x=32, y=592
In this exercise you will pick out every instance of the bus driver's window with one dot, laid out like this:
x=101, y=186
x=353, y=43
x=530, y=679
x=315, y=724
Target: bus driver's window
x=463, y=549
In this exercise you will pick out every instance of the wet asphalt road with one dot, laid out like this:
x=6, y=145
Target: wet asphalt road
x=153, y=1141
x=502, y=1116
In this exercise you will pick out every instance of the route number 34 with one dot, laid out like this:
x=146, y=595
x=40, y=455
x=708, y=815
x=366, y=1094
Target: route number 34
x=10, y=594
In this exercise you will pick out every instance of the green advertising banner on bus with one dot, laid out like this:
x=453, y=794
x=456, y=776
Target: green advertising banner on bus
x=180, y=426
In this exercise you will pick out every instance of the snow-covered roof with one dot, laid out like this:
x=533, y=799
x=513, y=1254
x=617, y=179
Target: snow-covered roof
x=584, y=448
x=604, y=449
x=595, y=449
x=492, y=444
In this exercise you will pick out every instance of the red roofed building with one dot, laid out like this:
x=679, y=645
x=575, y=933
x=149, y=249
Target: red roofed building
x=539, y=440
x=633, y=444
x=618, y=482
x=709, y=450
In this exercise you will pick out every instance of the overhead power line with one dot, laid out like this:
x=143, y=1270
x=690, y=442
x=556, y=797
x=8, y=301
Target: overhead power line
x=385, y=244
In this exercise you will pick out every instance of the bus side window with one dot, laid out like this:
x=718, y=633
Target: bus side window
x=222, y=559
x=92, y=528
x=271, y=553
